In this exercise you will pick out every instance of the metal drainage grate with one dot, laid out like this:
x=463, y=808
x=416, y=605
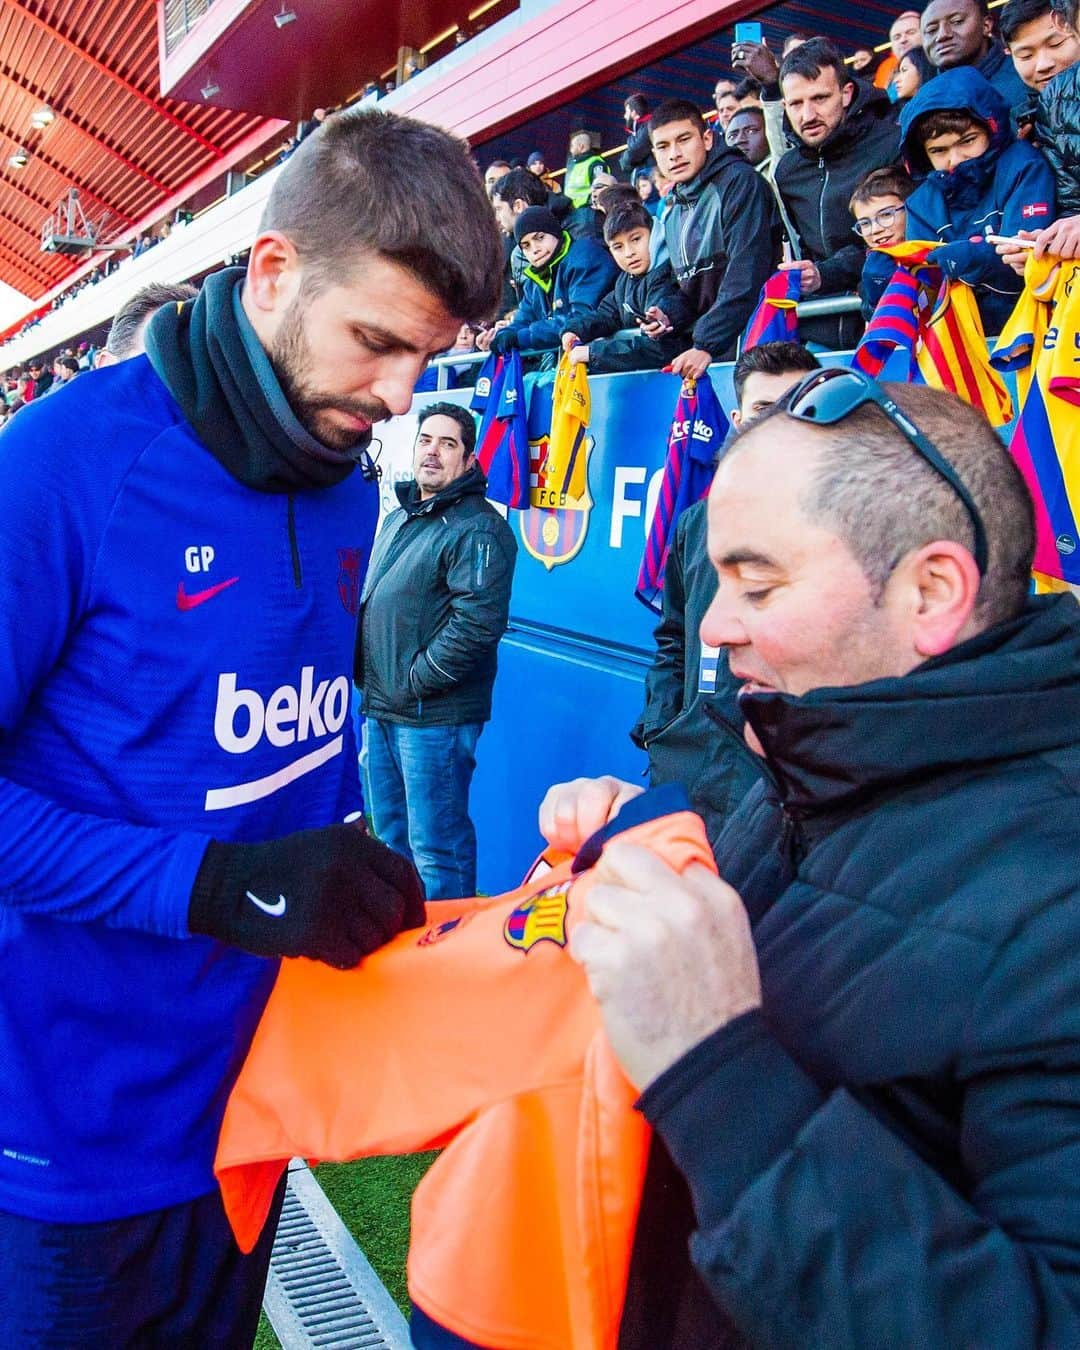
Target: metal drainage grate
x=321, y=1290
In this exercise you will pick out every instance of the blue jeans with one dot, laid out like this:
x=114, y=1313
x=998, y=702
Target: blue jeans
x=417, y=788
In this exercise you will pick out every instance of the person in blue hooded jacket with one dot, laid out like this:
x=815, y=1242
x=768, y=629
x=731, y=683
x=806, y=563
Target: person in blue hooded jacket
x=565, y=279
x=975, y=179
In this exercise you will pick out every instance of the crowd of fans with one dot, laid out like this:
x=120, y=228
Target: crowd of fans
x=810, y=162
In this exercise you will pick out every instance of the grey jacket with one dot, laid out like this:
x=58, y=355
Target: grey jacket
x=435, y=604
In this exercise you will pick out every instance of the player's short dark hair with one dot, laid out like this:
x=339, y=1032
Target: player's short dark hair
x=520, y=184
x=771, y=358
x=875, y=492
x=1019, y=12
x=676, y=110
x=637, y=104
x=888, y=182
x=366, y=183
x=131, y=315
x=69, y=363
x=811, y=58
x=460, y=415
x=625, y=216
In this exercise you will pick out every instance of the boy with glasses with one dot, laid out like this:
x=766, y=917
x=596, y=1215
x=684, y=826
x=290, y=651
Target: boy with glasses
x=880, y=220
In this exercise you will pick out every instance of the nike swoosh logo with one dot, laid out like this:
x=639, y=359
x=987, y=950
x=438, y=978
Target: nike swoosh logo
x=275, y=910
x=185, y=602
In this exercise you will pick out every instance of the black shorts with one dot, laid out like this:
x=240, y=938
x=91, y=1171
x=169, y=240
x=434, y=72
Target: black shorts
x=171, y=1278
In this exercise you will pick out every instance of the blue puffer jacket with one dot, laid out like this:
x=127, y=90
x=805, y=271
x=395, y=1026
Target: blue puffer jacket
x=1008, y=188
x=887, y=1156
x=572, y=284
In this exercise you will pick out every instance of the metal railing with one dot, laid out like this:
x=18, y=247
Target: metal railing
x=805, y=309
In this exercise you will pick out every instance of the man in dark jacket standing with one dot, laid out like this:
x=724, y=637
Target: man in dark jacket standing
x=434, y=607
x=720, y=228
x=862, y=1046
x=844, y=129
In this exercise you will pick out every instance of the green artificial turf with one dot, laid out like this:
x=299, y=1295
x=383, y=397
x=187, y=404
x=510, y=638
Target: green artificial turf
x=372, y=1196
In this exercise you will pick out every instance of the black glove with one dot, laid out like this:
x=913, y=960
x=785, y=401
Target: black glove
x=333, y=894
x=503, y=341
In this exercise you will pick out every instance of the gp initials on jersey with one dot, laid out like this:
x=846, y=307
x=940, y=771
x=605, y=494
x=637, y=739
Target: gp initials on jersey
x=198, y=557
x=288, y=715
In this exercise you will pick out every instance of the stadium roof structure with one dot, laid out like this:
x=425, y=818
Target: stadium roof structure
x=132, y=154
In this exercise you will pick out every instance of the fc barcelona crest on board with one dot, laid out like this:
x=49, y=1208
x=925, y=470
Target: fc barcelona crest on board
x=553, y=529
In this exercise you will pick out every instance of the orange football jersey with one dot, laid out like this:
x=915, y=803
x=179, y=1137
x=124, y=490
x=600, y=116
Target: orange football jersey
x=479, y=1035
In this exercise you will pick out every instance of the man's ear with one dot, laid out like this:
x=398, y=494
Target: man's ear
x=736, y=417
x=273, y=272
x=708, y=138
x=937, y=586
x=847, y=93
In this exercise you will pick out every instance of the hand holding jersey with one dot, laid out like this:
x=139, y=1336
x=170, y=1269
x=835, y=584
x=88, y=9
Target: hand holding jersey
x=572, y=812
x=668, y=956
x=334, y=895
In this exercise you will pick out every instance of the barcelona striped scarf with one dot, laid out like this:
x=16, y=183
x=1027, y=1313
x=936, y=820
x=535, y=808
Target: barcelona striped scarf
x=697, y=432
x=943, y=337
x=502, y=444
x=775, y=319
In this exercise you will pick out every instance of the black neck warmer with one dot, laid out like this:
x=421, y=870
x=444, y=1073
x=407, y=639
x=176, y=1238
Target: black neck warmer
x=211, y=361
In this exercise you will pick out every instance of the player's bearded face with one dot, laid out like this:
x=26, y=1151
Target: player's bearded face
x=339, y=421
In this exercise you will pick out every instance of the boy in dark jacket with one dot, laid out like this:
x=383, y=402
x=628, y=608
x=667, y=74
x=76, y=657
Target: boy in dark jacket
x=976, y=180
x=720, y=227
x=564, y=278
x=643, y=298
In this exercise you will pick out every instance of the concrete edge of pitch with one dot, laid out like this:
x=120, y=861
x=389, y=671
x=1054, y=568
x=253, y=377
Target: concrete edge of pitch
x=321, y=1289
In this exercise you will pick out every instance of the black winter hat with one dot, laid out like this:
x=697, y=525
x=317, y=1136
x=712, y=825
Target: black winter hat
x=536, y=218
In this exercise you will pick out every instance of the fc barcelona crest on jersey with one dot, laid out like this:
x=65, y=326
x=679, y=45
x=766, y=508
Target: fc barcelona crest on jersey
x=553, y=528
x=541, y=919
x=348, y=582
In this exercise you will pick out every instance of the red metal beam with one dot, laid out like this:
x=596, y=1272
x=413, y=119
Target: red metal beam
x=44, y=203
x=77, y=123
x=65, y=172
x=566, y=48
x=239, y=152
x=102, y=68
x=27, y=268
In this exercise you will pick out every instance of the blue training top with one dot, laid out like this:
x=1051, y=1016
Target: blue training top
x=175, y=663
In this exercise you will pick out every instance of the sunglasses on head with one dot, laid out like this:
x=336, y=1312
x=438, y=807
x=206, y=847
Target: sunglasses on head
x=828, y=396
